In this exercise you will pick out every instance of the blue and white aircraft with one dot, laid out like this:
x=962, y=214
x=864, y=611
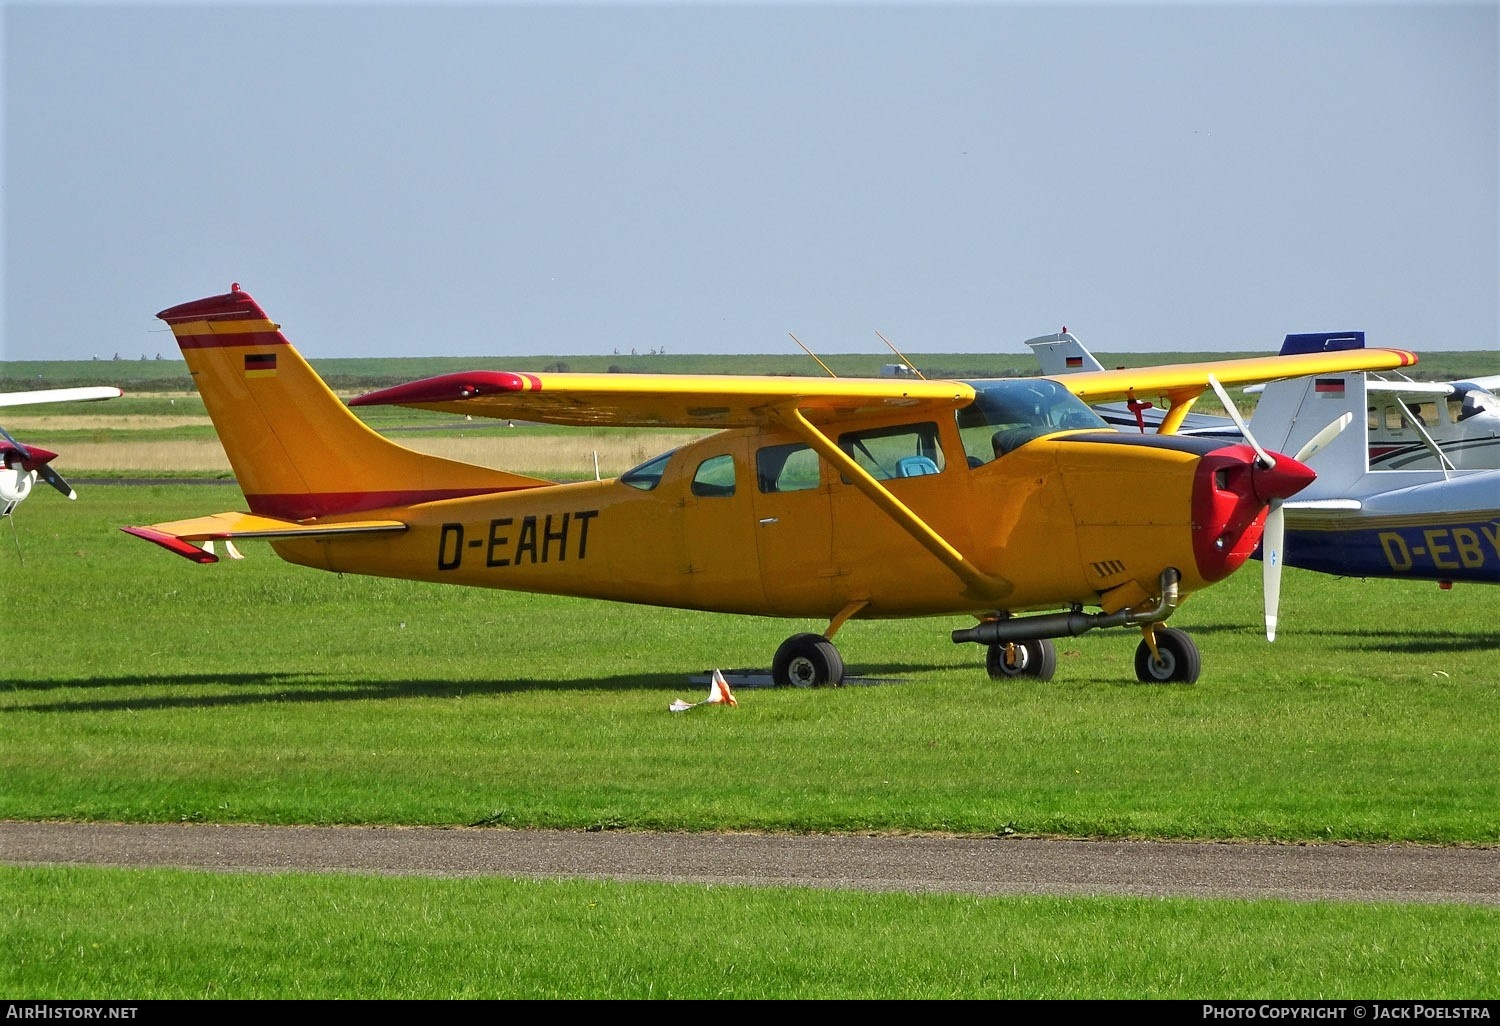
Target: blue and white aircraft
x=1367, y=516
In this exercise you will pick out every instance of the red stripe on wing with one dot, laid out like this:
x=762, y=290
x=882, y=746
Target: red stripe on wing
x=447, y=387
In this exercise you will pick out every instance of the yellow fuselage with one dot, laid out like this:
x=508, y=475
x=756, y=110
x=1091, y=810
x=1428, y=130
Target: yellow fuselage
x=1061, y=521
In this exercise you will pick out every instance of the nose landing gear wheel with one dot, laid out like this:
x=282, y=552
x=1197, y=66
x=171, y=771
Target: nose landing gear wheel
x=1035, y=658
x=807, y=661
x=1178, y=662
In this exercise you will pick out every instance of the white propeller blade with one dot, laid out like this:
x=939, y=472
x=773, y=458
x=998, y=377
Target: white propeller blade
x=1318, y=441
x=1239, y=422
x=1270, y=563
x=1273, y=538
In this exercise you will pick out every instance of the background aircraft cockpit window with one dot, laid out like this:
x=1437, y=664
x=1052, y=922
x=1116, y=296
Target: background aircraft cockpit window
x=907, y=450
x=1010, y=413
x=1476, y=400
x=648, y=475
x=786, y=468
x=714, y=476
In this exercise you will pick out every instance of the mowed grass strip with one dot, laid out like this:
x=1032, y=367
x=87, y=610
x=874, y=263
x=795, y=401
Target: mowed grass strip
x=142, y=687
x=78, y=934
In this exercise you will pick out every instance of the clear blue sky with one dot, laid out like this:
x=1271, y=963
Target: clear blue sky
x=494, y=179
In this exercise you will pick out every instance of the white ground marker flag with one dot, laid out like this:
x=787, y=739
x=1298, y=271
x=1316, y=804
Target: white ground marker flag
x=718, y=694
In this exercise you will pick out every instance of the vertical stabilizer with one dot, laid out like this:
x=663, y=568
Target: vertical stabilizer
x=297, y=451
x=1062, y=354
x=1291, y=412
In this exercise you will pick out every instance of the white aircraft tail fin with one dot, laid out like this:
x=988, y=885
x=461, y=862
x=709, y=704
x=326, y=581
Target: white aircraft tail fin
x=1062, y=354
x=1292, y=412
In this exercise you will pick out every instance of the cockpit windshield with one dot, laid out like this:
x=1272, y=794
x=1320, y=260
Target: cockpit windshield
x=1007, y=414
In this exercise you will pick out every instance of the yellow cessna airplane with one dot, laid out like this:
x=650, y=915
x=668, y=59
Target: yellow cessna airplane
x=825, y=498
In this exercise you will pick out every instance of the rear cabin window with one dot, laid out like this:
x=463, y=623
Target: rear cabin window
x=714, y=477
x=786, y=468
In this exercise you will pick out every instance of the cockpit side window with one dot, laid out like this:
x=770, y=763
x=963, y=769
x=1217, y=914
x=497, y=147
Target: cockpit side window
x=906, y=450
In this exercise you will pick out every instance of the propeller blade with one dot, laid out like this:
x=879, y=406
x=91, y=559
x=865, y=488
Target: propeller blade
x=25, y=452
x=1320, y=440
x=1273, y=538
x=53, y=478
x=1239, y=422
x=1270, y=561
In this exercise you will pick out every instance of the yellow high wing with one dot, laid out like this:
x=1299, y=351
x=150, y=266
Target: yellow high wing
x=709, y=401
x=1178, y=386
x=712, y=401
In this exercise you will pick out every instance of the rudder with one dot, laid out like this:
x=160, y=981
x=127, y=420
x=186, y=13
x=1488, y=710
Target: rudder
x=296, y=450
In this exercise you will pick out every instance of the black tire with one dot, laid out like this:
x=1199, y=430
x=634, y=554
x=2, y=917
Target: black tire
x=807, y=661
x=1179, y=659
x=1035, y=658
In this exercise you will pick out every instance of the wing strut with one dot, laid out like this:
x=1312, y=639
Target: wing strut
x=1444, y=463
x=980, y=584
x=1177, y=410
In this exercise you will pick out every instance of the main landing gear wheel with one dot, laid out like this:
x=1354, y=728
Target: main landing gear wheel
x=1178, y=662
x=1035, y=658
x=807, y=661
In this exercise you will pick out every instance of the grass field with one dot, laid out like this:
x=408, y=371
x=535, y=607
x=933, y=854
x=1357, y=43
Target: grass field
x=138, y=687
x=149, y=689
x=256, y=691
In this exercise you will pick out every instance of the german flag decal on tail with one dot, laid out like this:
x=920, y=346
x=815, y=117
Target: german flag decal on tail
x=260, y=365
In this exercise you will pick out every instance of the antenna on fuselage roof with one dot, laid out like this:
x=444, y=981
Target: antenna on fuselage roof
x=814, y=355
x=904, y=360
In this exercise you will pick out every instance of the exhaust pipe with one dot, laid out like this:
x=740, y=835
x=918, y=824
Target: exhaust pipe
x=1070, y=625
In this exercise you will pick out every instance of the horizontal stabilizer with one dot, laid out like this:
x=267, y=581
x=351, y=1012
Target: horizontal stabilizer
x=178, y=535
